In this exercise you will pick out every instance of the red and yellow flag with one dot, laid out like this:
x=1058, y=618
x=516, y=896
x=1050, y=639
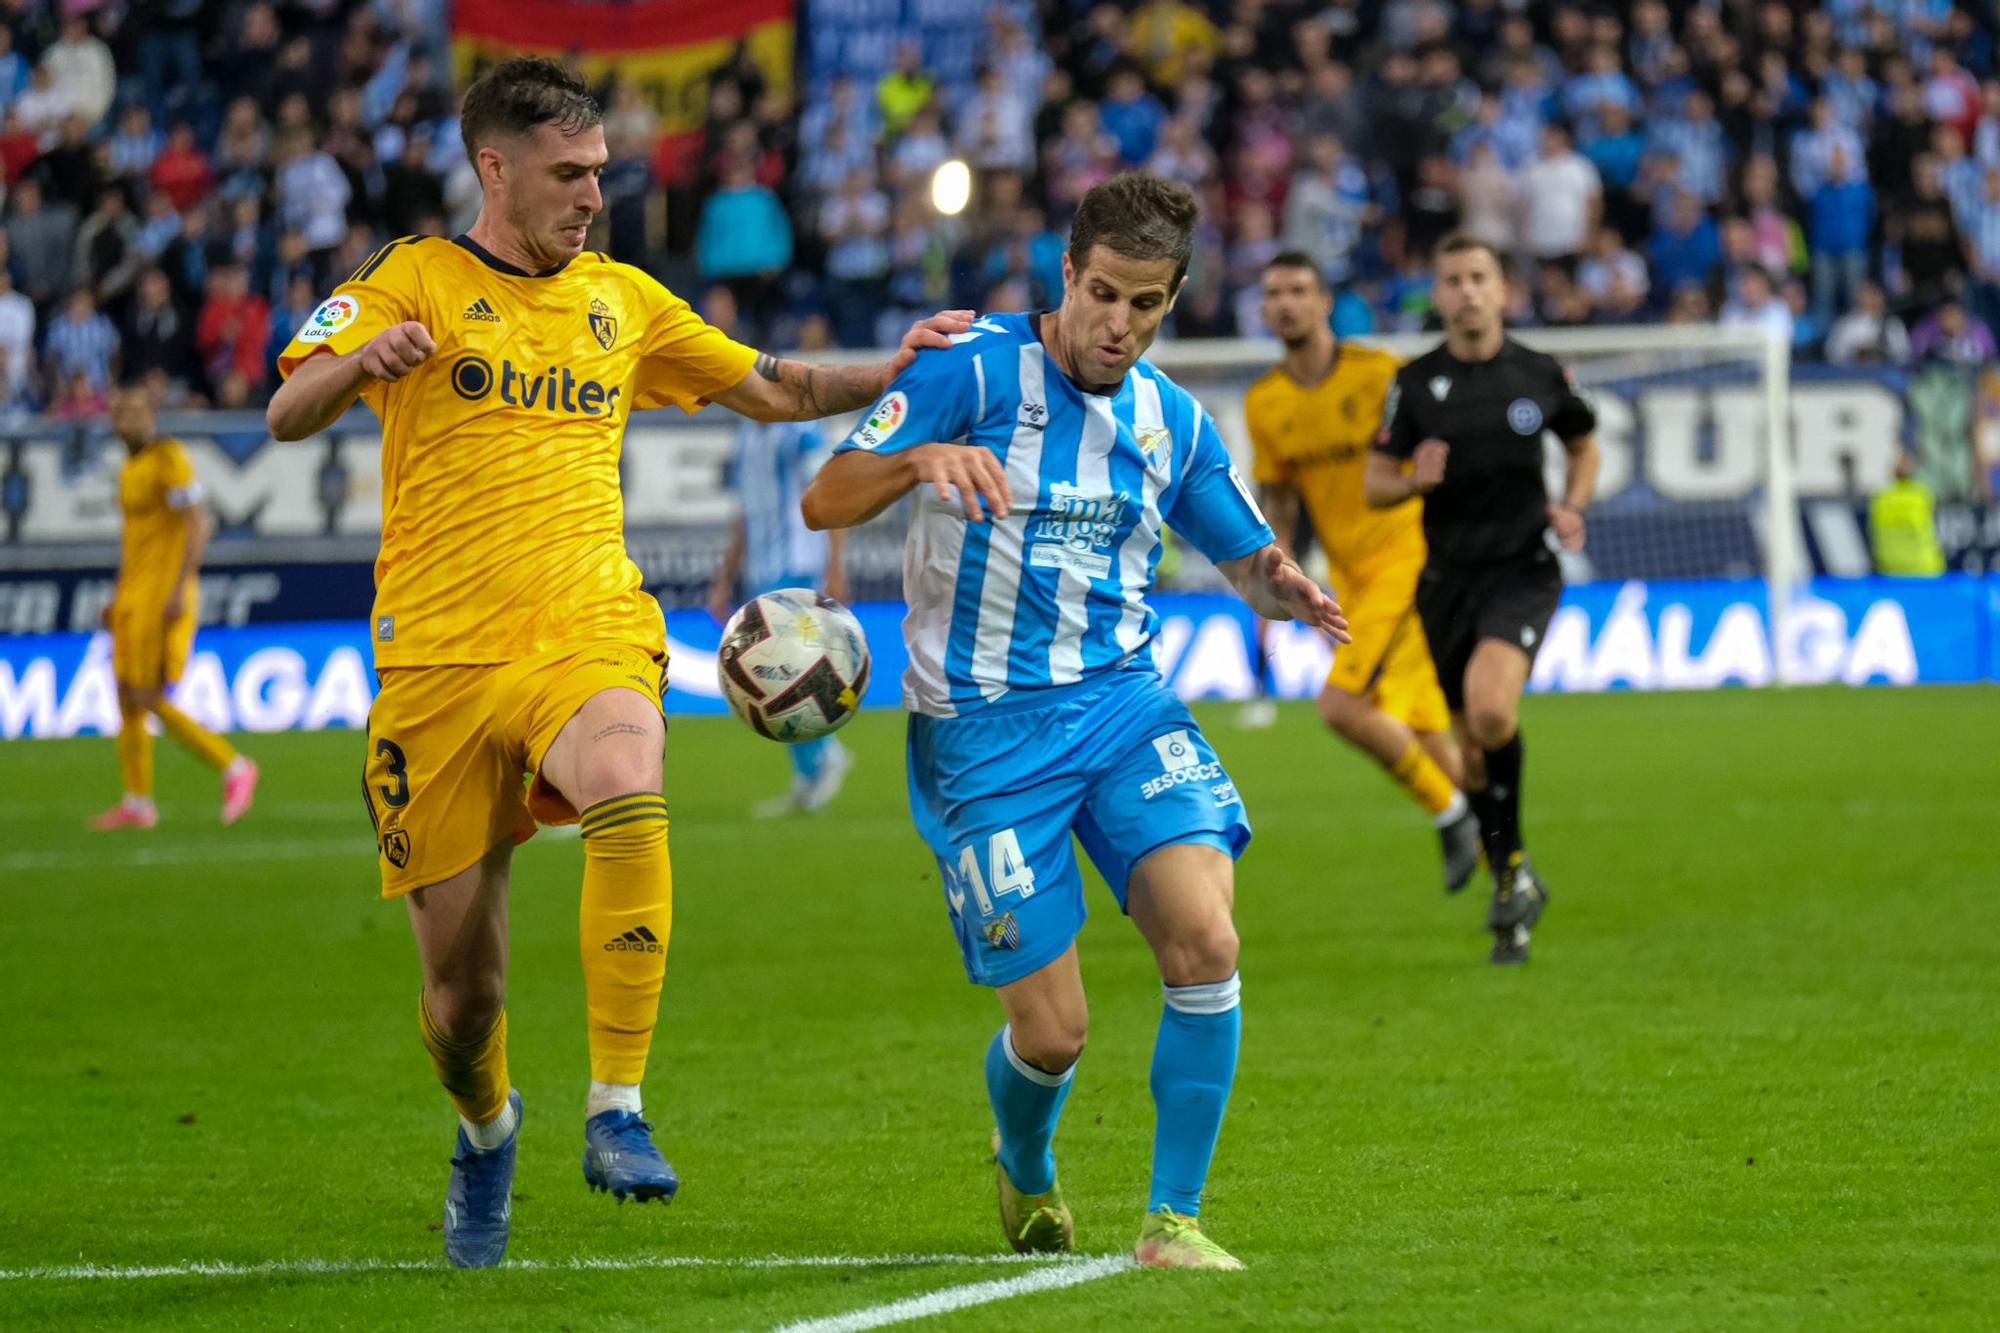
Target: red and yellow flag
x=667, y=47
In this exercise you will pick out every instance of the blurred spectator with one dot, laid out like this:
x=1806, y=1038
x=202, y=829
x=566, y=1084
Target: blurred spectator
x=80, y=343
x=996, y=128
x=14, y=68
x=1902, y=526
x=855, y=225
x=1327, y=208
x=157, y=335
x=107, y=251
x=1982, y=234
x=1830, y=152
x=917, y=154
x=1840, y=219
x=1166, y=35
x=1561, y=199
x=411, y=191
x=1868, y=334
x=17, y=345
x=229, y=336
x=744, y=238
x=78, y=399
x=1131, y=116
x=905, y=89
x=1924, y=230
x=81, y=66
x=41, y=237
x=1614, y=277
x=1756, y=305
x=1952, y=335
x=180, y=171
x=136, y=144
x=1695, y=140
x=1776, y=241
x=311, y=191
x=44, y=106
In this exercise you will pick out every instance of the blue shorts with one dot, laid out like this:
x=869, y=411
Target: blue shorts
x=1119, y=762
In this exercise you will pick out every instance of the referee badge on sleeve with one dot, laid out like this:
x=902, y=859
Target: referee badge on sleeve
x=1525, y=416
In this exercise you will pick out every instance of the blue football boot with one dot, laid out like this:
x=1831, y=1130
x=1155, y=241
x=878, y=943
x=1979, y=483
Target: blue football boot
x=479, y=1202
x=619, y=1156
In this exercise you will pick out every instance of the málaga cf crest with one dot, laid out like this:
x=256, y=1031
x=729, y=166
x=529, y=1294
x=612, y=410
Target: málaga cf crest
x=603, y=326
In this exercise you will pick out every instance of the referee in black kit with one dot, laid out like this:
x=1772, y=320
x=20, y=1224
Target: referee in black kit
x=1463, y=428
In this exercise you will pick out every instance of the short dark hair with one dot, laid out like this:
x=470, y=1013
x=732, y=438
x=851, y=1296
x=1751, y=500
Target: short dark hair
x=520, y=93
x=1138, y=215
x=1298, y=259
x=1458, y=242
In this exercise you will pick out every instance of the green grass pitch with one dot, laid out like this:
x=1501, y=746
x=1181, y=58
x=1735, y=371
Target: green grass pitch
x=1748, y=1081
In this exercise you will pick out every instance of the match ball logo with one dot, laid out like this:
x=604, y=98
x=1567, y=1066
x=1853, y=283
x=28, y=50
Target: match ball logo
x=884, y=421
x=334, y=314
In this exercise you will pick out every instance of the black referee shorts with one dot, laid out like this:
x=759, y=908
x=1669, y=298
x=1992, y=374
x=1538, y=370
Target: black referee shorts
x=1462, y=604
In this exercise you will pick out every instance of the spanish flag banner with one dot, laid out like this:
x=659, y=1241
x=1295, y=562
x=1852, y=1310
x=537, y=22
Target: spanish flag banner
x=666, y=47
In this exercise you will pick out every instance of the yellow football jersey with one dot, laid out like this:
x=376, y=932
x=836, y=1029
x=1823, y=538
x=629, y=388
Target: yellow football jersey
x=1317, y=438
x=156, y=492
x=502, y=520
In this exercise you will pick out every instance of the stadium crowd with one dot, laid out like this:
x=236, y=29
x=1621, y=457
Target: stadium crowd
x=185, y=178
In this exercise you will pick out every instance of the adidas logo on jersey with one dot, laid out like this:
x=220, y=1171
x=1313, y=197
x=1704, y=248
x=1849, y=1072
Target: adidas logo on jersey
x=482, y=310
x=639, y=940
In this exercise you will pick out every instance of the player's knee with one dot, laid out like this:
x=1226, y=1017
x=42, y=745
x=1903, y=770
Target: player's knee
x=1489, y=726
x=1051, y=1043
x=1338, y=709
x=626, y=771
x=464, y=1006
x=1206, y=952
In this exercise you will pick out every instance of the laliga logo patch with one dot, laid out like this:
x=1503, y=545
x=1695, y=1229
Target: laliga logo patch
x=1525, y=416
x=334, y=314
x=884, y=421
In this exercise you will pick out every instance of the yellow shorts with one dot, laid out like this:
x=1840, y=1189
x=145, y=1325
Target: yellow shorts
x=1389, y=663
x=147, y=653
x=452, y=753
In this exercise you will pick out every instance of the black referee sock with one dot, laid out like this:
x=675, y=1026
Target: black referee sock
x=1503, y=795
x=1481, y=802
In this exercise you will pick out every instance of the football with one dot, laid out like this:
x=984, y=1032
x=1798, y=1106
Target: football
x=793, y=664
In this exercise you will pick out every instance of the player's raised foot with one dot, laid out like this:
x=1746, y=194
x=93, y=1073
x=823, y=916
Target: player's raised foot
x=1169, y=1240
x=1519, y=895
x=1034, y=1223
x=1460, y=842
x=128, y=813
x=620, y=1157
x=825, y=784
x=479, y=1201
x=239, y=788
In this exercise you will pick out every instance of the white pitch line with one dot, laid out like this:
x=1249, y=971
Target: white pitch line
x=1051, y=1278
x=296, y=849
x=343, y=1267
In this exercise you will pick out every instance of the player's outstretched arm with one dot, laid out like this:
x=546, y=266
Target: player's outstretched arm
x=326, y=384
x=1277, y=589
x=776, y=389
x=856, y=486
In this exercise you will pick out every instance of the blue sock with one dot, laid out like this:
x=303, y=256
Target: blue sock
x=806, y=756
x=1026, y=1104
x=1194, y=1063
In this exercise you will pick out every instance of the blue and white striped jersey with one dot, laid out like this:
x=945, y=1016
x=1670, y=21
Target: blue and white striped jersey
x=770, y=464
x=1054, y=592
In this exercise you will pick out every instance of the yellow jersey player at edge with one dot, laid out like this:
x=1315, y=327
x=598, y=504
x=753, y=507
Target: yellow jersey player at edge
x=1312, y=421
x=152, y=614
x=512, y=638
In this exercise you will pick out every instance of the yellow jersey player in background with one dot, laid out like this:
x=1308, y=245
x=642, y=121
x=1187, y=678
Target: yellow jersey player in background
x=1312, y=421
x=152, y=614
x=512, y=638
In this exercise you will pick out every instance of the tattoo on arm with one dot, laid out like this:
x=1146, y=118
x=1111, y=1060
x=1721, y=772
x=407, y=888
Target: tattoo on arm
x=818, y=391
x=619, y=729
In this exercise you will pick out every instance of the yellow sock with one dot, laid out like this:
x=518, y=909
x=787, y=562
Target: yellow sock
x=1419, y=775
x=135, y=753
x=474, y=1072
x=208, y=747
x=628, y=912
